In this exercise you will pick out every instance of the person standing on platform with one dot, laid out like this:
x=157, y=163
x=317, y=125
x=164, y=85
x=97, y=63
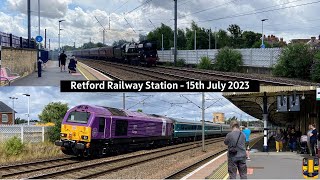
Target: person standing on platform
x=279, y=138
x=308, y=140
x=235, y=140
x=63, y=59
x=292, y=140
x=247, y=132
x=313, y=139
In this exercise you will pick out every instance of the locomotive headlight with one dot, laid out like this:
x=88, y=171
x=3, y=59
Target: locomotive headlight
x=84, y=137
x=63, y=135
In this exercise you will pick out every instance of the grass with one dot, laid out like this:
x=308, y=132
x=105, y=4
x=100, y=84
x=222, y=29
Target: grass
x=31, y=152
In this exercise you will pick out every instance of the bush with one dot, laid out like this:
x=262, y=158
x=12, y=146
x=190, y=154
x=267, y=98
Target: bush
x=168, y=64
x=55, y=131
x=295, y=62
x=13, y=146
x=181, y=63
x=315, y=73
x=228, y=60
x=205, y=63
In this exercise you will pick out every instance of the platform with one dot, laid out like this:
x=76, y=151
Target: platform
x=52, y=75
x=263, y=165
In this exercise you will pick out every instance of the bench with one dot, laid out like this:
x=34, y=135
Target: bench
x=7, y=75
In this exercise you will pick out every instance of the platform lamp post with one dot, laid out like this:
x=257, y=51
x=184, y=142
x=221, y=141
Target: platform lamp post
x=28, y=95
x=13, y=113
x=262, y=45
x=59, y=32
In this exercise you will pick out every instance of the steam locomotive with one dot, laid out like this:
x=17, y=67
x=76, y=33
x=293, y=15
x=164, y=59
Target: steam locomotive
x=143, y=53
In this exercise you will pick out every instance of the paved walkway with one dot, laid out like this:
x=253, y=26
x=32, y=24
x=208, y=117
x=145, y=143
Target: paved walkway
x=263, y=165
x=52, y=75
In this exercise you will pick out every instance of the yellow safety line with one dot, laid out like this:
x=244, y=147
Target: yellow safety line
x=226, y=177
x=83, y=74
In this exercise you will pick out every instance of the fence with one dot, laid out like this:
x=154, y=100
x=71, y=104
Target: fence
x=251, y=57
x=27, y=134
x=9, y=40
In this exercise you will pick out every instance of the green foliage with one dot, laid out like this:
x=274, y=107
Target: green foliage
x=156, y=35
x=168, y=64
x=228, y=60
x=13, y=146
x=181, y=63
x=202, y=37
x=315, y=74
x=139, y=110
x=205, y=63
x=236, y=33
x=295, y=62
x=250, y=38
x=54, y=132
x=53, y=112
x=257, y=44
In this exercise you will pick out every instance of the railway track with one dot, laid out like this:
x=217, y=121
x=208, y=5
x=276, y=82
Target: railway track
x=173, y=73
x=97, y=169
x=187, y=170
x=14, y=170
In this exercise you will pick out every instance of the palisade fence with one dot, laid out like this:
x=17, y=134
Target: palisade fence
x=9, y=40
x=251, y=57
x=27, y=134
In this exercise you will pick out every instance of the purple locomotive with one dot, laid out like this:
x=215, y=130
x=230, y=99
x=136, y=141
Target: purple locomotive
x=95, y=130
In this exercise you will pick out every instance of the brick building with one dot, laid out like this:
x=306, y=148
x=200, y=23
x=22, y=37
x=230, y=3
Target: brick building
x=6, y=114
x=218, y=117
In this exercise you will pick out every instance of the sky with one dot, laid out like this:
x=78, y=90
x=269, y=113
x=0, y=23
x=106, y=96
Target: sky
x=177, y=105
x=286, y=18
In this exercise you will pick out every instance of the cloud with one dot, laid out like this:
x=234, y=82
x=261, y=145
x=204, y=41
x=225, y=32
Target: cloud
x=81, y=26
x=48, y=8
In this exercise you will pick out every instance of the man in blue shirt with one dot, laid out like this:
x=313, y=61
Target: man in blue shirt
x=247, y=132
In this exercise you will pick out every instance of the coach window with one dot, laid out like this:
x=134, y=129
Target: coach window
x=101, y=124
x=5, y=118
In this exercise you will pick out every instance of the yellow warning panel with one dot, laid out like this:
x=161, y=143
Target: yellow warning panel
x=310, y=168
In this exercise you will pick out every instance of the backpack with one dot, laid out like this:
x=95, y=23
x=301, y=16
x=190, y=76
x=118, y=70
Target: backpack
x=233, y=150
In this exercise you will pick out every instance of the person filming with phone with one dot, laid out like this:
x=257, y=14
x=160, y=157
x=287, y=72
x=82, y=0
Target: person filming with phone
x=236, y=140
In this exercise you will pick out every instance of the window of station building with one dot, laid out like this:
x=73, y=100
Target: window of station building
x=101, y=124
x=121, y=127
x=5, y=118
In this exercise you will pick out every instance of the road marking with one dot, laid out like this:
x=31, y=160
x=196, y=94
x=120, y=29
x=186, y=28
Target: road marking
x=198, y=169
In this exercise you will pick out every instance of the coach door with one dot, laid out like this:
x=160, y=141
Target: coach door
x=98, y=130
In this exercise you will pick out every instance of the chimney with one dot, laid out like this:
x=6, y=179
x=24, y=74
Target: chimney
x=313, y=39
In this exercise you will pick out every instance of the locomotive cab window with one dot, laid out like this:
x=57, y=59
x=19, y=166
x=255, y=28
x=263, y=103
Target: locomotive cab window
x=78, y=117
x=121, y=127
x=101, y=124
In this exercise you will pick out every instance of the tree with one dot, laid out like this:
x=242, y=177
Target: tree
x=181, y=39
x=120, y=42
x=53, y=112
x=295, y=61
x=99, y=44
x=236, y=34
x=139, y=110
x=258, y=44
x=202, y=36
x=156, y=35
x=250, y=38
x=223, y=39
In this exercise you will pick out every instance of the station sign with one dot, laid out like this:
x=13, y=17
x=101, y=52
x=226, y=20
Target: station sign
x=39, y=39
x=318, y=94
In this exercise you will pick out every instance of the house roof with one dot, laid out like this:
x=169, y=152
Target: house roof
x=4, y=107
